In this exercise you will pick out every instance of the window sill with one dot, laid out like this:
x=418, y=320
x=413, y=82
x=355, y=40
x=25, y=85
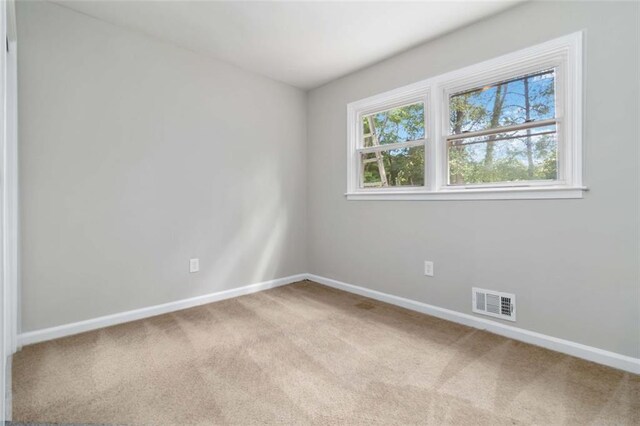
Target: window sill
x=519, y=193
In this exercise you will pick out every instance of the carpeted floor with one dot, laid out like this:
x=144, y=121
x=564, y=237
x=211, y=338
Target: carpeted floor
x=308, y=354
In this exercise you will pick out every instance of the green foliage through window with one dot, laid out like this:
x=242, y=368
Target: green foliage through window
x=401, y=167
x=398, y=166
x=400, y=124
x=513, y=158
x=499, y=155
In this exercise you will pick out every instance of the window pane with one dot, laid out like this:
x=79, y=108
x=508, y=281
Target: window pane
x=517, y=101
x=507, y=157
x=395, y=125
x=396, y=167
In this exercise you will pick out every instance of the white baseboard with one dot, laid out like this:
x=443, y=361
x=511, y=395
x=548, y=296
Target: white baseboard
x=578, y=350
x=37, y=336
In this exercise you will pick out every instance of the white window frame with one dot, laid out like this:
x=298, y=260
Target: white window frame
x=376, y=104
x=563, y=54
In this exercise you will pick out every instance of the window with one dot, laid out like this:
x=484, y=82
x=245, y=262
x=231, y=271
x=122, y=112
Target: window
x=392, y=147
x=504, y=132
x=505, y=128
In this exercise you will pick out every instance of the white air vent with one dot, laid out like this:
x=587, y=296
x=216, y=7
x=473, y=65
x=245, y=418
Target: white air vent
x=494, y=303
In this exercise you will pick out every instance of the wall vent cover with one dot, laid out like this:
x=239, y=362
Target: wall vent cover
x=494, y=303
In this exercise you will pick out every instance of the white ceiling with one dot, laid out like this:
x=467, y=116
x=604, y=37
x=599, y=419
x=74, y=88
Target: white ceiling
x=305, y=44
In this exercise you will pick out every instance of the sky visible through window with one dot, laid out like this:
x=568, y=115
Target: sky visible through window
x=400, y=124
x=520, y=155
x=401, y=166
x=502, y=156
x=513, y=102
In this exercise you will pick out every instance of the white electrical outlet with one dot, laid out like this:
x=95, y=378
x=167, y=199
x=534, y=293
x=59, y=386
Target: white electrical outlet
x=428, y=268
x=194, y=265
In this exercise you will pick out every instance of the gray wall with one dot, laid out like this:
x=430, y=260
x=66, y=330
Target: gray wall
x=136, y=156
x=573, y=264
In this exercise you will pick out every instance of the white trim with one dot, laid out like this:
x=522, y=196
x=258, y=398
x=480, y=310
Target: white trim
x=408, y=95
x=469, y=193
x=11, y=200
x=8, y=204
x=579, y=350
x=37, y=336
x=392, y=146
x=600, y=356
x=504, y=129
x=564, y=54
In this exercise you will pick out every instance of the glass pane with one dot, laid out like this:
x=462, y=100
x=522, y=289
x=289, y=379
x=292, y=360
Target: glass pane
x=517, y=101
x=400, y=124
x=507, y=157
x=396, y=167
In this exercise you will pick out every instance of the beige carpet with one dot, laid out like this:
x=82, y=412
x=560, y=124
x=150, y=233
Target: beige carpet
x=308, y=354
